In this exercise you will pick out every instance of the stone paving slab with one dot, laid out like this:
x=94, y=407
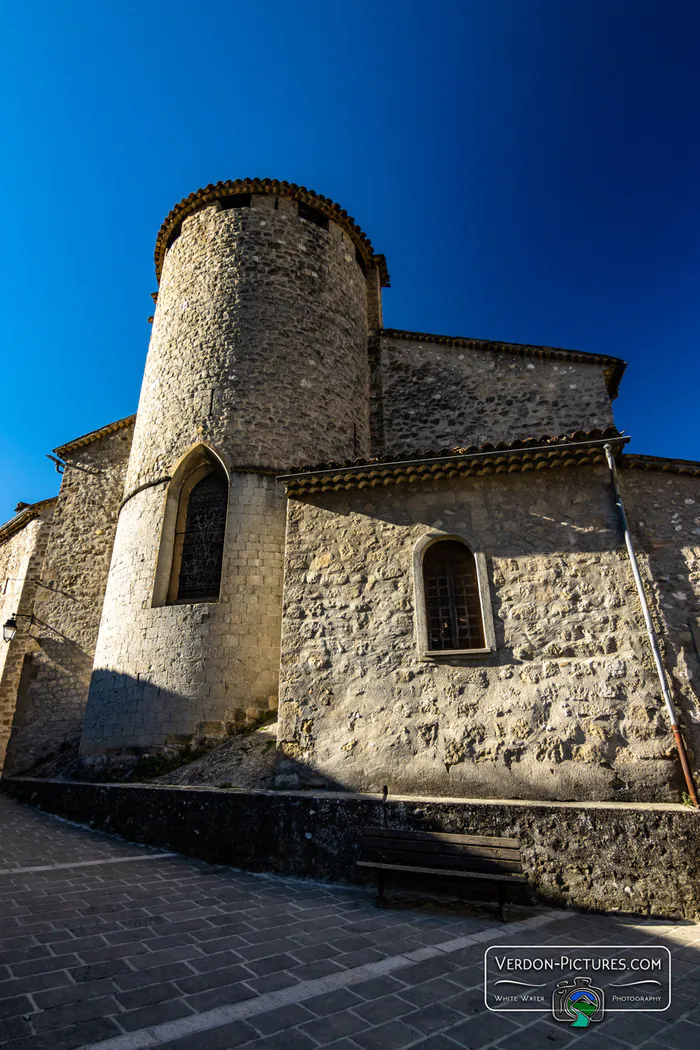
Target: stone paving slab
x=148, y=949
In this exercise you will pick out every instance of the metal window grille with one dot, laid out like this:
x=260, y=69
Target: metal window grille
x=453, y=605
x=203, y=542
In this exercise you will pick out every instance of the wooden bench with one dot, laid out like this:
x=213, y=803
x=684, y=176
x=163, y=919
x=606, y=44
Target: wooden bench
x=484, y=857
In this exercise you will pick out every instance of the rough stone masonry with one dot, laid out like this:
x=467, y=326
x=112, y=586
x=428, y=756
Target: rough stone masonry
x=347, y=452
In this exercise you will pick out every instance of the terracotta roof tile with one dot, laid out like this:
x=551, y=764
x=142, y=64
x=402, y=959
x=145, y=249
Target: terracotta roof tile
x=535, y=453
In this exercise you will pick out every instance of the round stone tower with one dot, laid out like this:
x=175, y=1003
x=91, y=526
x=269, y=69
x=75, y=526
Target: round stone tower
x=258, y=364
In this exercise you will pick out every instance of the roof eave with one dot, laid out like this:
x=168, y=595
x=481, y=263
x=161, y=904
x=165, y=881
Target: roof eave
x=556, y=453
x=18, y=522
x=663, y=464
x=94, y=435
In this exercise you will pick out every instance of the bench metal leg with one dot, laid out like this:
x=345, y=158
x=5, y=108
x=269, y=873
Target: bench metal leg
x=502, y=902
x=380, y=888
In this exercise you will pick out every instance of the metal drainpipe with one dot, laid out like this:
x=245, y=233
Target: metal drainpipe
x=653, y=641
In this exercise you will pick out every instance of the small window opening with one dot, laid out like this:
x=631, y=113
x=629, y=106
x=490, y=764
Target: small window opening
x=236, y=200
x=199, y=537
x=360, y=261
x=174, y=236
x=313, y=215
x=453, y=606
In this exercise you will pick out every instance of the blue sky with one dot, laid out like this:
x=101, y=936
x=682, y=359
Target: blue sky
x=530, y=168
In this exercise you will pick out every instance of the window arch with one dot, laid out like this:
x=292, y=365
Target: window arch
x=453, y=608
x=191, y=554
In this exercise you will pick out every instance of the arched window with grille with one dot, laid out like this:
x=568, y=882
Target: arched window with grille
x=199, y=539
x=452, y=598
x=191, y=556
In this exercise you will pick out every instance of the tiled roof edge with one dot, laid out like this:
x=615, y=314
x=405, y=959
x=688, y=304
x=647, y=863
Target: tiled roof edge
x=613, y=367
x=23, y=518
x=94, y=435
x=666, y=465
x=273, y=188
x=581, y=448
x=420, y=455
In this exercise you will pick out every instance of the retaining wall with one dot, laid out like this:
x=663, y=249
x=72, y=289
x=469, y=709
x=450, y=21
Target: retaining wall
x=598, y=856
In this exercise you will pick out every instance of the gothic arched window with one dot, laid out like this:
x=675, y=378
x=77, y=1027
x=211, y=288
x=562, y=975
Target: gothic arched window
x=197, y=542
x=453, y=612
x=191, y=550
x=201, y=539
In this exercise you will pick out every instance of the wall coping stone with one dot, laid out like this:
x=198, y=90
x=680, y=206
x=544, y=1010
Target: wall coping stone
x=525, y=803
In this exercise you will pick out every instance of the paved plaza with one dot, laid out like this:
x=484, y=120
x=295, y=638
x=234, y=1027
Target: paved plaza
x=112, y=945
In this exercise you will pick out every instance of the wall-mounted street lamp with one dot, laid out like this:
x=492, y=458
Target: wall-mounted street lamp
x=9, y=628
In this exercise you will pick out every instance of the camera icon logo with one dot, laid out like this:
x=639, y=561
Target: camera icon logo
x=578, y=1003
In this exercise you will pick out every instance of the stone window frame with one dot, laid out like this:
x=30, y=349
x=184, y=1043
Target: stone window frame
x=193, y=466
x=420, y=604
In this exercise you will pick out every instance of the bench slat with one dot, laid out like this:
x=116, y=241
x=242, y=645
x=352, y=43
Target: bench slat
x=448, y=849
x=441, y=871
x=403, y=858
x=440, y=836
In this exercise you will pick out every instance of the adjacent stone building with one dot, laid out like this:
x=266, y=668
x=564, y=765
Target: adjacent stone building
x=408, y=543
x=23, y=542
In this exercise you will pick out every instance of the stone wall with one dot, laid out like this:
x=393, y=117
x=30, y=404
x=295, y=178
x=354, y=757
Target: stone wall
x=568, y=707
x=21, y=556
x=593, y=856
x=259, y=344
x=165, y=675
x=439, y=396
x=664, y=512
x=258, y=352
x=69, y=601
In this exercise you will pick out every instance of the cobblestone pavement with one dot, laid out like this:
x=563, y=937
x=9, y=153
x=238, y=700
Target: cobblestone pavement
x=107, y=944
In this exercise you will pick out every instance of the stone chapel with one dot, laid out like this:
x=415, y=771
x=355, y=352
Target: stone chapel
x=408, y=544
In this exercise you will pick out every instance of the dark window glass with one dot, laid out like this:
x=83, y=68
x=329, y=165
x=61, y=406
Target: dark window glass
x=203, y=542
x=237, y=200
x=177, y=230
x=453, y=606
